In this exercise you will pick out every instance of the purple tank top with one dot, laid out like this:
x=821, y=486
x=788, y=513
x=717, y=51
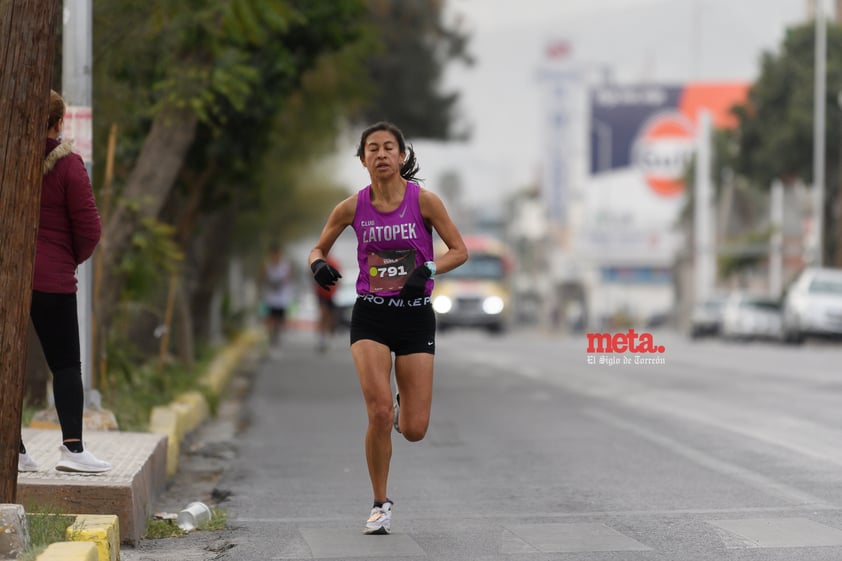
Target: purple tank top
x=390, y=244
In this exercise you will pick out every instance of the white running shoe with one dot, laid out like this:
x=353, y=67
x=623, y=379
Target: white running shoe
x=81, y=462
x=380, y=521
x=26, y=463
x=397, y=410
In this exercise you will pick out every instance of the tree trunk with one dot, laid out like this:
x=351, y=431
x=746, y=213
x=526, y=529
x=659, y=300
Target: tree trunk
x=212, y=249
x=183, y=328
x=184, y=212
x=27, y=49
x=148, y=187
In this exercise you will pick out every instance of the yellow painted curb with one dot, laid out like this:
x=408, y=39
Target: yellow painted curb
x=163, y=420
x=175, y=420
x=189, y=410
x=101, y=529
x=70, y=551
x=219, y=371
x=192, y=408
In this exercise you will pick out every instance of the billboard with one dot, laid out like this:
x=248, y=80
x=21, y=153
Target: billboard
x=652, y=127
x=641, y=140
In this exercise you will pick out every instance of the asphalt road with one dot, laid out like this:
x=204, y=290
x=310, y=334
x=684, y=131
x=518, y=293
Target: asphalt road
x=723, y=452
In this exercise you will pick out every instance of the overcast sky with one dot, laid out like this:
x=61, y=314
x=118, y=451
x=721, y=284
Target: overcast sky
x=664, y=41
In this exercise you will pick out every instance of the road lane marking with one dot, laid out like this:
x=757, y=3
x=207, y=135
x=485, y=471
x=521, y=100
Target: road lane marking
x=752, y=478
x=778, y=532
x=336, y=543
x=580, y=537
x=502, y=517
x=773, y=427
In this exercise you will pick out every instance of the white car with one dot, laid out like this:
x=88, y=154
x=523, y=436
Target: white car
x=751, y=317
x=706, y=318
x=813, y=305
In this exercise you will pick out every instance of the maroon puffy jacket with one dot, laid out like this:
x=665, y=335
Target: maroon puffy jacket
x=69, y=227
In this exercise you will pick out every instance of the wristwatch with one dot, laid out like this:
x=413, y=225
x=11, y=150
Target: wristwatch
x=431, y=265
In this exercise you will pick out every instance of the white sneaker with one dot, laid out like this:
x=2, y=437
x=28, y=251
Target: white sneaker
x=380, y=521
x=26, y=463
x=397, y=410
x=82, y=462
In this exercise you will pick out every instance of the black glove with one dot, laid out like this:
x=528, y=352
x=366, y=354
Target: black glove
x=324, y=274
x=416, y=283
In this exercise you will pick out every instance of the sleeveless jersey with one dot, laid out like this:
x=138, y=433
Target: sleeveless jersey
x=390, y=244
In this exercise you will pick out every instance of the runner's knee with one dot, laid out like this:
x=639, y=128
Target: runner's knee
x=415, y=431
x=381, y=416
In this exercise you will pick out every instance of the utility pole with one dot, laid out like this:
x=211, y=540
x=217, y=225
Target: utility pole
x=705, y=254
x=819, y=109
x=77, y=86
x=776, y=255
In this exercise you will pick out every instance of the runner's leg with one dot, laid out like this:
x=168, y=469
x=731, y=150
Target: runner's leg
x=414, y=376
x=374, y=367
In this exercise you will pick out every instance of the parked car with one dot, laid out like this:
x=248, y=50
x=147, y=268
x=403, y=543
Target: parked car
x=813, y=305
x=706, y=318
x=751, y=317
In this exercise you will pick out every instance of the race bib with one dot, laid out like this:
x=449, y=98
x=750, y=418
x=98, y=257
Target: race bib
x=388, y=270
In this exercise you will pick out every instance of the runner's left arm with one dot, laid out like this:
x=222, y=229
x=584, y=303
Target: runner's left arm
x=435, y=213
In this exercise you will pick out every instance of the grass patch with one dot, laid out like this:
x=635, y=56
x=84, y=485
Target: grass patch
x=45, y=528
x=32, y=553
x=132, y=395
x=218, y=521
x=157, y=528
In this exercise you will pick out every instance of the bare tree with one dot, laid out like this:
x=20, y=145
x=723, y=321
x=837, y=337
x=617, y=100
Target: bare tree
x=27, y=49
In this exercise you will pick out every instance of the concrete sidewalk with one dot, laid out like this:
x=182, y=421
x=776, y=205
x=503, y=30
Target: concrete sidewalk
x=144, y=464
x=129, y=491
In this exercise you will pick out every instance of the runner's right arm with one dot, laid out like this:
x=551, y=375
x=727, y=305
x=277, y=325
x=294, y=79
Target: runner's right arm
x=340, y=218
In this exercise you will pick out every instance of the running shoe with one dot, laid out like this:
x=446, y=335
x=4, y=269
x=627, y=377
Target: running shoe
x=80, y=462
x=26, y=463
x=380, y=521
x=397, y=410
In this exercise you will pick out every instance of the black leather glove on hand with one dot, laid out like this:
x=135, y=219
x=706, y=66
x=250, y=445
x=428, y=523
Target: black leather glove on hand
x=416, y=283
x=324, y=274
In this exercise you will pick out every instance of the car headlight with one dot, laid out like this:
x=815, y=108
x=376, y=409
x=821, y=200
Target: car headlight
x=442, y=304
x=492, y=305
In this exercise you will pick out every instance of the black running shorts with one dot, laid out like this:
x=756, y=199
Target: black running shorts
x=277, y=313
x=404, y=329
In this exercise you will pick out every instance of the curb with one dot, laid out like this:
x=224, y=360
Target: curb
x=97, y=537
x=14, y=531
x=101, y=529
x=90, y=537
x=70, y=551
x=189, y=410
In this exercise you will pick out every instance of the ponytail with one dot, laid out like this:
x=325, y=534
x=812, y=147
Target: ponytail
x=410, y=167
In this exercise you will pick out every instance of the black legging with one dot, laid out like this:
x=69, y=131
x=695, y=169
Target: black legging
x=57, y=324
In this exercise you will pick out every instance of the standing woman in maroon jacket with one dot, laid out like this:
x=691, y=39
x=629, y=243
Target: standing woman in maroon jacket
x=68, y=232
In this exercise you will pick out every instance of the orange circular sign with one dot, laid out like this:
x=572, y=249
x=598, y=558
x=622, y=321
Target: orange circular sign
x=662, y=152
